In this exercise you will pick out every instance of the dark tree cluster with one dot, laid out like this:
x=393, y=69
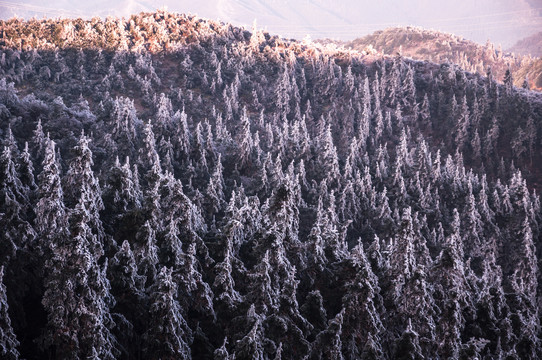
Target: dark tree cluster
x=177, y=188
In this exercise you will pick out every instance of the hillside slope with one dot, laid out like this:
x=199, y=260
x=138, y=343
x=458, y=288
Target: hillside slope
x=531, y=45
x=179, y=188
x=421, y=44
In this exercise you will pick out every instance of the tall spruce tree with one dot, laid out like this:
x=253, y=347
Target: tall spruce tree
x=8, y=340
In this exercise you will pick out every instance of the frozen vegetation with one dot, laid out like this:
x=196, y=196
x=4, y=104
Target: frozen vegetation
x=178, y=188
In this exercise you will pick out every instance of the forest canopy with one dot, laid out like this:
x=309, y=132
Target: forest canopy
x=179, y=188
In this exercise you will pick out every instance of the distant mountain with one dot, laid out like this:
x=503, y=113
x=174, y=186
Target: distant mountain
x=531, y=45
x=434, y=46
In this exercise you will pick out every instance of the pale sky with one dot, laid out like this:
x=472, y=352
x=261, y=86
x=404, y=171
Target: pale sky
x=500, y=21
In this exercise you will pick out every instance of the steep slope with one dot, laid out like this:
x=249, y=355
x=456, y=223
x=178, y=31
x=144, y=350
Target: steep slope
x=180, y=188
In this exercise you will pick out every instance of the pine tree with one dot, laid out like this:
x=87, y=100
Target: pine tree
x=76, y=294
x=224, y=283
x=244, y=139
x=147, y=253
x=26, y=171
x=408, y=347
x=8, y=340
x=462, y=124
x=215, y=189
x=38, y=139
x=127, y=289
x=222, y=352
x=263, y=294
x=51, y=219
x=508, y=81
x=195, y=294
x=251, y=345
x=166, y=154
x=328, y=343
x=124, y=121
x=281, y=220
x=372, y=350
x=402, y=257
x=327, y=157
x=408, y=90
x=425, y=113
x=448, y=277
x=82, y=185
x=198, y=154
x=163, y=115
x=168, y=335
x=13, y=200
x=523, y=283
x=361, y=319
x=288, y=325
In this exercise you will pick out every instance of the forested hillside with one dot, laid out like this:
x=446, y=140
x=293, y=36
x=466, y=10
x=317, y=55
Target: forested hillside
x=439, y=47
x=179, y=188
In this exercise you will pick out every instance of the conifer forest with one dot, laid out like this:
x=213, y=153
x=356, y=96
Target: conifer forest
x=179, y=188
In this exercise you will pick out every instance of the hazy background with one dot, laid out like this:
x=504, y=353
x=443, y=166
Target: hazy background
x=501, y=21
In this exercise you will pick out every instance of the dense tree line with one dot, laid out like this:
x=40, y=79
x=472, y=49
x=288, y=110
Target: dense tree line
x=173, y=187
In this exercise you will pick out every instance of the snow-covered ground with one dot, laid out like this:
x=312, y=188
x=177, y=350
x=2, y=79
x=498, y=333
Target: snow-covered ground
x=501, y=21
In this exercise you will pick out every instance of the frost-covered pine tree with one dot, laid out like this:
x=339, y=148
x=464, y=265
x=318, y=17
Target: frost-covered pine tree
x=361, y=319
x=8, y=340
x=51, y=220
x=244, y=139
x=147, y=253
x=408, y=346
x=224, y=284
x=168, y=336
x=448, y=277
x=251, y=345
x=328, y=344
x=82, y=185
x=13, y=200
x=214, y=193
x=76, y=294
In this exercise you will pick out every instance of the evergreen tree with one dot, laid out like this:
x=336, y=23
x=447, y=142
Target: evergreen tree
x=251, y=345
x=147, y=253
x=224, y=283
x=168, y=335
x=328, y=343
x=361, y=319
x=244, y=139
x=408, y=347
x=127, y=288
x=8, y=340
x=51, y=219
x=16, y=232
x=450, y=294
x=77, y=294
x=82, y=185
x=215, y=189
x=26, y=171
